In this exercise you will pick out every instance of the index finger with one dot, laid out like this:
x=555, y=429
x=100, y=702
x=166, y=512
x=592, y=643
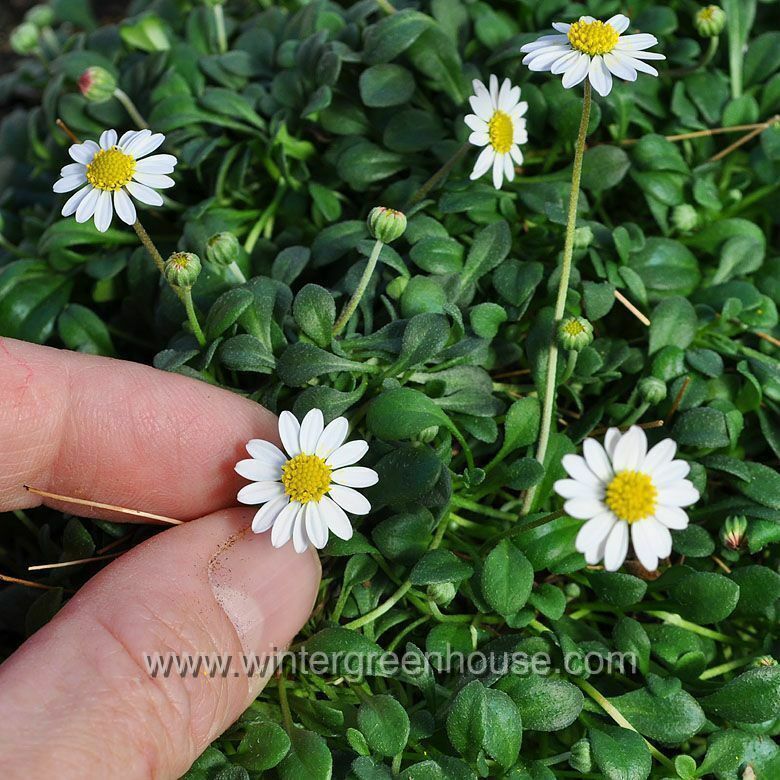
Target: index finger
x=119, y=433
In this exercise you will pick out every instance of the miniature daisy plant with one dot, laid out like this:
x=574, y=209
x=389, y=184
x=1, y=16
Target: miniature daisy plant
x=305, y=489
x=623, y=489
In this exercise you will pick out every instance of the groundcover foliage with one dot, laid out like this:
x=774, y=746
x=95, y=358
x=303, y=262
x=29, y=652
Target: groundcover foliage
x=315, y=113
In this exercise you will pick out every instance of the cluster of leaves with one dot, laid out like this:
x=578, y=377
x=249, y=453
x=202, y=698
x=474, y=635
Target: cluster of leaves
x=320, y=110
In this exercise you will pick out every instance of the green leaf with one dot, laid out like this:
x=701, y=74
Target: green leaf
x=403, y=413
x=753, y=697
x=705, y=597
x=226, y=310
x=703, y=427
x=386, y=85
x=631, y=639
x=544, y=703
x=521, y=425
x=309, y=756
x=315, y=312
x=384, y=724
x=301, y=362
x=467, y=719
x=424, y=337
x=263, y=746
x=506, y=578
x=503, y=728
x=621, y=754
x=81, y=329
x=344, y=650
x=438, y=566
x=392, y=35
x=674, y=323
x=246, y=353
x=666, y=267
x=490, y=247
x=604, y=167
x=759, y=588
x=487, y=318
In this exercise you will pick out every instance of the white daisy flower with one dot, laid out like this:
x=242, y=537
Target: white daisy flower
x=593, y=49
x=107, y=173
x=305, y=491
x=621, y=487
x=497, y=124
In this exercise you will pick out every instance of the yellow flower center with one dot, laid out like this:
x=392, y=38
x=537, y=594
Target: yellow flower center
x=632, y=496
x=593, y=37
x=706, y=14
x=573, y=328
x=306, y=478
x=110, y=169
x=501, y=132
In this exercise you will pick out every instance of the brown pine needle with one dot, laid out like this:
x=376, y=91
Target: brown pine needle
x=115, y=543
x=99, y=505
x=27, y=583
x=633, y=309
x=757, y=130
x=645, y=426
x=65, y=129
x=65, y=564
x=678, y=400
x=767, y=337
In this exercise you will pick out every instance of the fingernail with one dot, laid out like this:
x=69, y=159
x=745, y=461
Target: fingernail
x=267, y=593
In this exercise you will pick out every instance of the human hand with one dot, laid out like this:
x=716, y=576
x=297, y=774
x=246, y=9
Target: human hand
x=77, y=700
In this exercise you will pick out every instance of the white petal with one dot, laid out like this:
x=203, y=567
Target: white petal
x=516, y=154
x=265, y=452
x=577, y=72
x=473, y=122
x=283, y=526
x=641, y=55
x=484, y=162
x=289, y=433
x=672, y=517
x=584, y=508
x=630, y=451
x=498, y=171
x=355, y=476
x=332, y=437
x=600, y=77
x=644, y=546
x=620, y=67
x=108, y=139
x=334, y=517
x=479, y=138
x=571, y=488
x=577, y=468
x=544, y=42
x=657, y=456
x=86, y=209
x=638, y=65
x=104, y=211
x=144, y=143
x=662, y=539
x=611, y=439
x=616, y=547
x=620, y=22
x=312, y=427
x=637, y=42
x=260, y=492
x=670, y=473
x=156, y=180
x=157, y=163
x=350, y=500
x=128, y=136
x=316, y=527
x=597, y=460
x=544, y=58
x=125, y=207
x=562, y=27
x=347, y=454
x=71, y=169
x=257, y=470
x=74, y=201
x=481, y=105
x=266, y=516
x=592, y=537
x=69, y=183
x=300, y=540
x=509, y=168
x=144, y=194
x=493, y=90
x=565, y=62
x=83, y=153
x=681, y=493
x=519, y=111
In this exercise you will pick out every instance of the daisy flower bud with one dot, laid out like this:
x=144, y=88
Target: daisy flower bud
x=580, y=758
x=40, y=16
x=222, y=249
x=652, y=390
x=583, y=237
x=386, y=225
x=685, y=218
x=734, y=531
x=442, y=593
x=97, y=84
x=24, y=39
x=765, y=660
x=182, y=269
x=710, y=21
x=575, y=333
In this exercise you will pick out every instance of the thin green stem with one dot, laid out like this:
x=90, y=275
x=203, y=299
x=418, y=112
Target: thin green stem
x=438, y=176
x=284, y=705
x=370, y=617
x=716, y=671
x=143, y=237
x=237, y=272
x=563, y=290
x=192, y=317
x=219, y=21
x=134, y=113
x=265, y=219
x=487, y=511
x=617, y=716
x=354, y=301
x=675, y=620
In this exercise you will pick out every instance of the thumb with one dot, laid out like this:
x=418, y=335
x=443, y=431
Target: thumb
x=78, y=699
